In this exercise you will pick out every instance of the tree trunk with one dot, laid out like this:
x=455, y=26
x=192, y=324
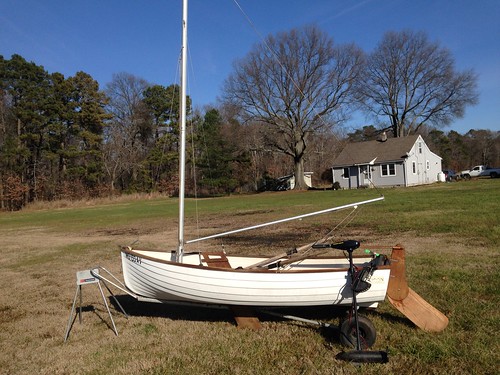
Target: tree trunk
x=300, y=183
x=300, y=148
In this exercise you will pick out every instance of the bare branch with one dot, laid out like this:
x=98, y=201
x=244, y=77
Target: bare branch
x=413, y=82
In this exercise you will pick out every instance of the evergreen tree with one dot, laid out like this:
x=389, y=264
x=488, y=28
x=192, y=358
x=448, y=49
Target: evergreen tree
x=162, y=104
x=53, y=129
x=216, y=156
x=28, y=89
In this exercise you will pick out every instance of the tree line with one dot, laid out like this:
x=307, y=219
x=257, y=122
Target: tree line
x=281, y=113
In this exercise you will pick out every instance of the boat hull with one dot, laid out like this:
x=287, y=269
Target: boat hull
x=311, y=282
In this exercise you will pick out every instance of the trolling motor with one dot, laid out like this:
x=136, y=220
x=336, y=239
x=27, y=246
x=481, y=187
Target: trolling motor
x=359, y=284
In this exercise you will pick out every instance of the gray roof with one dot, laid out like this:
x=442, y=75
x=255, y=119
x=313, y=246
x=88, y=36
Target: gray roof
x=393, y=149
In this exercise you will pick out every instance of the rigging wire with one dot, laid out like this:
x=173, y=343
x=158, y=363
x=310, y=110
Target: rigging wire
x=194, y=148
x=163, y=152
x=344, y=223
x=161, y=164
x=348, y=219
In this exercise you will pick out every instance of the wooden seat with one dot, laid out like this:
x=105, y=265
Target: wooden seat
x=215, y=259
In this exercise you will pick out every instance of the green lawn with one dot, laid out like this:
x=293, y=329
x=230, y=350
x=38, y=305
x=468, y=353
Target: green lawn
x=467, y=209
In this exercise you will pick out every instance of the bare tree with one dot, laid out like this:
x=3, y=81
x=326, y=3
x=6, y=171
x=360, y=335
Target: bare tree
x=127, y=133
x=413, y=82
x=483, y=146
x=297, y=83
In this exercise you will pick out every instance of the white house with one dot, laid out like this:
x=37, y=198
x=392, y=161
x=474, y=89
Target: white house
x=404, y=161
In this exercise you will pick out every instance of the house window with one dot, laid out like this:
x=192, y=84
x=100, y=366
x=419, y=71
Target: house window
x=428, y=164
x=419, y=147
x=388, y=169
x=414, y=167
x=346, y=173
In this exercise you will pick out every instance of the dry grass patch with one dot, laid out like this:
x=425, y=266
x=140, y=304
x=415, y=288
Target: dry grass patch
x=38, y=263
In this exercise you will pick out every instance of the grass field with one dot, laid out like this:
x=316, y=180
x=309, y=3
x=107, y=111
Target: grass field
x=451, y=233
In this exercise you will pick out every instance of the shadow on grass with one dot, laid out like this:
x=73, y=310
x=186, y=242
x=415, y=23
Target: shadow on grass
x=396, y=319
x=206, y=313
x=77, y=315
x=172, y=311
x=324, y=319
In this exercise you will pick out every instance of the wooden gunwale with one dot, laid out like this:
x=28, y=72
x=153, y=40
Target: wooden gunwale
x=133, y=252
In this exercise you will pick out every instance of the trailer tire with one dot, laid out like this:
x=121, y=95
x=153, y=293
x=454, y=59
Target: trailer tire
x=367, y=332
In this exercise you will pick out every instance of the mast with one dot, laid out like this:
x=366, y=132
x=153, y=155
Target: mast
x=182, y=150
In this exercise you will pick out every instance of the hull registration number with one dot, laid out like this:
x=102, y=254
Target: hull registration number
x=133, y=258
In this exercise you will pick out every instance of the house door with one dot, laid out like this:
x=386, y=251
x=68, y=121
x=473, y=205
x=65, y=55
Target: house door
x=365, y=176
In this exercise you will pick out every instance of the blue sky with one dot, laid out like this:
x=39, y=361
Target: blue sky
x=103, y=37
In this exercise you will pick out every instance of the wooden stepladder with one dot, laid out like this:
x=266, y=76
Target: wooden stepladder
x=87, y=277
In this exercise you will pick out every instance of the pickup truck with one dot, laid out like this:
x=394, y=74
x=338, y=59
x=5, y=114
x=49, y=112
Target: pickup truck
x=480, y=171
x=492, y=172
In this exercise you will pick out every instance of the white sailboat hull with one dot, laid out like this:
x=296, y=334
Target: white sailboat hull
x=310, y=282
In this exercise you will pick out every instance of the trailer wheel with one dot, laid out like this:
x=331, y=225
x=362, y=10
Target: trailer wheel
x=367, y=332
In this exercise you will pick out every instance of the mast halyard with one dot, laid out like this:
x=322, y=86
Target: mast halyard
x=182, y=150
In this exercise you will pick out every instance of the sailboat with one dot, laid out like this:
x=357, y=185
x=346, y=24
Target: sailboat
x=298, y=277
x=221, y=279
x=294, y=278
